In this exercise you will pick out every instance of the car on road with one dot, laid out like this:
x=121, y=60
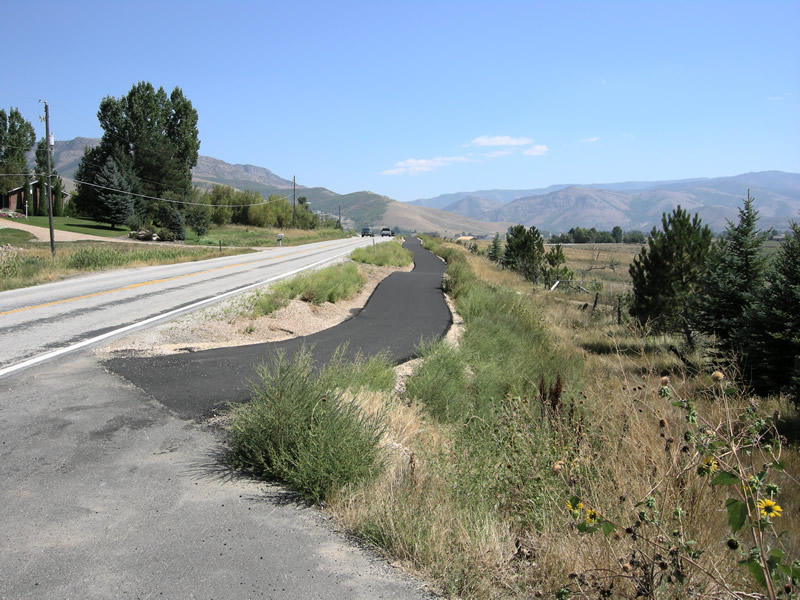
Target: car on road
x=386, y=231
x=366, y=232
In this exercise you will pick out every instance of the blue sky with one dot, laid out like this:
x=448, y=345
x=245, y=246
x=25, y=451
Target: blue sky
x=415, y=99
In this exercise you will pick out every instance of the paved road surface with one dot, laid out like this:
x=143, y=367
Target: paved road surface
x=403, y=310
x=56, y=317
x=107, y=494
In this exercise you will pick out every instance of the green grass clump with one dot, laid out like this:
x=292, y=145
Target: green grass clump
x=330, y=284
x=375, y=373
x=14, y=236
x=384, y=254
x=300, y=430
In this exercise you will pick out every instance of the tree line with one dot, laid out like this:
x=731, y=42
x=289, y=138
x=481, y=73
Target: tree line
x=580, y=235
x=729, y=293
x=17, y=138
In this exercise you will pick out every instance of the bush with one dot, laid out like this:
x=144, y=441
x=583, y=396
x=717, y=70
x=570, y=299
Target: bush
x=299, y=430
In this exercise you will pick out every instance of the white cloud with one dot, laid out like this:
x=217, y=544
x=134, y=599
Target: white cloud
x=413, y=166
x=500, y=140
x=590, y=140
x=537, y=150
x=498, y=153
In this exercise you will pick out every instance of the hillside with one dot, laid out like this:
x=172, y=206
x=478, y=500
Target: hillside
x=629, y=204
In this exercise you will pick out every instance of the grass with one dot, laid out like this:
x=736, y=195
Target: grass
x=14, y=236
x=27, y=264
x=257, y=237
x=330, y=284
x=384, y=254
x=298, y=428
x=78, y=225
x=508, y=456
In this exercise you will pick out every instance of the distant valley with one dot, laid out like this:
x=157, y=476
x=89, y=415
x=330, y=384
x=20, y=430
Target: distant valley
x=557, y=208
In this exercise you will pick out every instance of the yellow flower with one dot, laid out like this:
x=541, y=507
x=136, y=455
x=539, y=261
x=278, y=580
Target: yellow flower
x=708, y=466
x=769, y=508
x=592, y=516
x=578, y=506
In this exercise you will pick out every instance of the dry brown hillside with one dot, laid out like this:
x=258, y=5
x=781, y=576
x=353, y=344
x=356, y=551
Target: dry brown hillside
x=417, y=218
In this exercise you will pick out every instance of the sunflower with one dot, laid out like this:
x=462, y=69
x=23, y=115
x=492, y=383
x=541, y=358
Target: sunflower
x=592, y=516
x=769, y=508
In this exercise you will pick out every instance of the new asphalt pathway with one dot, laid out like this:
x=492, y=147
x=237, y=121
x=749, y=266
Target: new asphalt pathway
x=404, y=310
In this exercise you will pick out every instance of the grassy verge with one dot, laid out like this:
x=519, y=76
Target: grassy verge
x=78, y=225
x=384, y=254
x=27, y=264
x=557, y=453
x=330, y=284
x=257, y=237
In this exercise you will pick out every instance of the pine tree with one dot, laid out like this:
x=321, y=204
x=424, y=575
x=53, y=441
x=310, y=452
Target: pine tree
x=775, y=348
x=524, y=252
x=495, y=250
x=667, y=272
x=734, y=279
x=116, y=203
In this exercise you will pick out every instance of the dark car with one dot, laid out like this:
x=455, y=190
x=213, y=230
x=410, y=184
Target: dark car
x=366, y=232
x=386, y=231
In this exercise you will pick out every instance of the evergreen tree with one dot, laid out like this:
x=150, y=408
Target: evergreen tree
x=495, y=250
x=775, y=348
x=58, y=201
x=115, y=202
x=41, y=206
x=524, y=252
x=667, y=272
x=555, y=268
x=734, y=279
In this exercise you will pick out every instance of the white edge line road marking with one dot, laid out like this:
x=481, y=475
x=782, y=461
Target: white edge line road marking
x=55, y=353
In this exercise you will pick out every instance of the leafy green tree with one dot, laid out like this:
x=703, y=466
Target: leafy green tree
x=220, y=198
x=495, y=249
x=524, y=252
x=198, y=214
x=114, y=195
x=734, y=280
x=152, y=138
x=616, y=233
x=775, y=348
x=16, y=138
x=634, y=237
x=667, y=273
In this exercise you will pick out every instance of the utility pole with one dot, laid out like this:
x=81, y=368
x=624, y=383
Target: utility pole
x=294, y=191
x=49, y=186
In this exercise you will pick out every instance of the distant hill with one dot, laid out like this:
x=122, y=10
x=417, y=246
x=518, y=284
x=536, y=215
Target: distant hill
x=637, y=205
x=630, y=204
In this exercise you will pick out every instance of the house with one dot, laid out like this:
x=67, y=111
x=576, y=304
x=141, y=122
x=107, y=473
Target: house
x=15, y=199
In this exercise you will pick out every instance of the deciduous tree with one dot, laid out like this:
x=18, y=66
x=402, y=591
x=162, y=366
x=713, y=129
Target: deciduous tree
x=16, y=138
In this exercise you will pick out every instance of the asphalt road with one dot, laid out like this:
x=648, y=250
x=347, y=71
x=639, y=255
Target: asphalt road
x=107, y=493
x=404, y=310
x=39, y=322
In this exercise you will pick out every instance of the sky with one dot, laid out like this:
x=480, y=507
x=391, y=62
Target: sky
x=415, y=99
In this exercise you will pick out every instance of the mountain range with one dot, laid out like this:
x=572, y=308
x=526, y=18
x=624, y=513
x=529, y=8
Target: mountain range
x=631, y=205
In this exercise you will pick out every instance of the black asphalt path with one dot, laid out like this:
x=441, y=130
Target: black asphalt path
x=405, y=309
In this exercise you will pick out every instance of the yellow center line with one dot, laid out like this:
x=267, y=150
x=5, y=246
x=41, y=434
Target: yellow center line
x=154, y=281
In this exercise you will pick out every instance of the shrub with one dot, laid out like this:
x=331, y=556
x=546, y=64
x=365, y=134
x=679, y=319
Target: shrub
x=299, y=430
x=385, y=253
